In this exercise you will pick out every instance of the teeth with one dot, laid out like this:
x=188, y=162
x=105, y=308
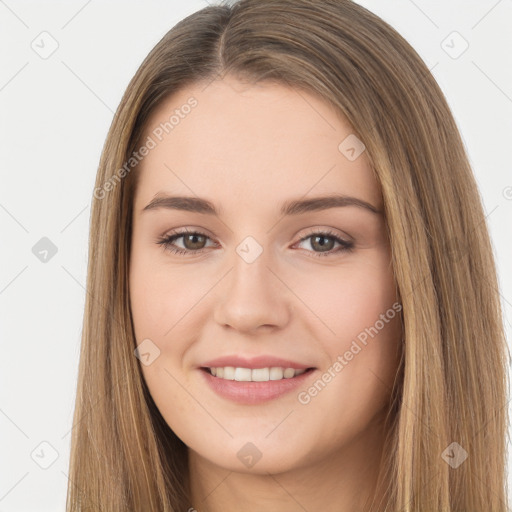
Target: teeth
x=229, y=373
x=242, y=374
x=254, y=375
x=276, y=373
x=289, y=373
x=260, y=374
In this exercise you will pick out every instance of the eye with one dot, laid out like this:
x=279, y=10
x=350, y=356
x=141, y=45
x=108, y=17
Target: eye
x=323, y=243
x=193, y=242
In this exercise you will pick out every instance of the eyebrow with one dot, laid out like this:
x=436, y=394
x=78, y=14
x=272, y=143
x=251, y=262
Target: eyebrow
x=292, y=207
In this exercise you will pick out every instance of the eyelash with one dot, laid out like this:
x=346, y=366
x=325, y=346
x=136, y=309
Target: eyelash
x=166, y=243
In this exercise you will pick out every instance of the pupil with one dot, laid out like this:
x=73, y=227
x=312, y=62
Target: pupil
x=323, y=246
x=194, y=240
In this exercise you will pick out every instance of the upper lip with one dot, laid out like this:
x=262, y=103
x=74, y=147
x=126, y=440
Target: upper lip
x=263, y=361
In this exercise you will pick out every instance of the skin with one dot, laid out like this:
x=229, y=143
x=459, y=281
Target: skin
x=248, y=149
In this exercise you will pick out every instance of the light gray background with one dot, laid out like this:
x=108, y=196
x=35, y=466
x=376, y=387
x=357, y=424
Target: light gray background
x=54, y=116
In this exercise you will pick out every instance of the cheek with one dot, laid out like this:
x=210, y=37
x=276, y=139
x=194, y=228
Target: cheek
x=346, y=300
x=161, y=301
x=357, y=325
x=160, y=296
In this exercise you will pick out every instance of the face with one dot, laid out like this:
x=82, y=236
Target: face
x=267, y=316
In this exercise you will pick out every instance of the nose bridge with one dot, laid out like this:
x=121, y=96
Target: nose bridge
x=250, y=267
x=253, y=296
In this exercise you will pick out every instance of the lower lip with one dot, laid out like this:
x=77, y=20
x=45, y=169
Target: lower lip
x=251, y=393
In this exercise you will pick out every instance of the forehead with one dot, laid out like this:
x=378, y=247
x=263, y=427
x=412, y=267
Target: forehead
x=230, y=138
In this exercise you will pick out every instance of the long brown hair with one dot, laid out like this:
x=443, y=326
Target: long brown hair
x=452, y=381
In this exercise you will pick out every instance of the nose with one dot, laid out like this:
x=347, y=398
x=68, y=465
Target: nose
x=252, y=297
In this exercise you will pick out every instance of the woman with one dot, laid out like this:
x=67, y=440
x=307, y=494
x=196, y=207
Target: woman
x=292, y=296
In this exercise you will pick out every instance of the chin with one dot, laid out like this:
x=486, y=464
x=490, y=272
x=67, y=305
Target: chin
x=255, y=458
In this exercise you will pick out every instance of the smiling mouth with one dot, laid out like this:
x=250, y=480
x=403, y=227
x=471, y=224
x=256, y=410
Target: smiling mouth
x=240, y=374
